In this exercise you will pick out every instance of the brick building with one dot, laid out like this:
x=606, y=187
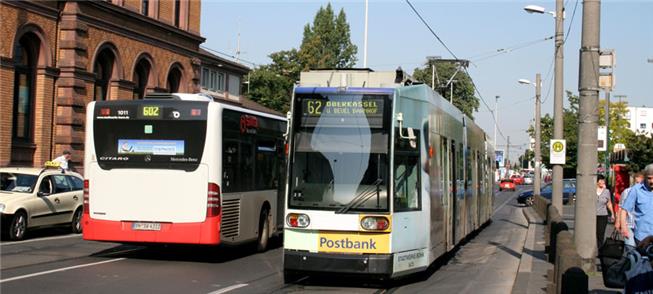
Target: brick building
x=57, y=56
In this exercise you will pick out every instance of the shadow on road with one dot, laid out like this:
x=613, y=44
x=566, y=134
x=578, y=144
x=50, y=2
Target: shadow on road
x=187, y=253
x=41, y=233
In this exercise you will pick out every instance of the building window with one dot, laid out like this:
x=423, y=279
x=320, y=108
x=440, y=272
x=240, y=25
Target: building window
x=145, y=7
x=234, y=85
x=141, y=76
x=205, y=78
x=25, y=56
x=221, y=79
x=177, y=12
x=213, y=81
x=174, y=79
x=642, y=126
x=103, y=69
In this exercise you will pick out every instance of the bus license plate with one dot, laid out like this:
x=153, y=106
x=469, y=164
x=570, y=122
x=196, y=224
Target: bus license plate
x=146, y=226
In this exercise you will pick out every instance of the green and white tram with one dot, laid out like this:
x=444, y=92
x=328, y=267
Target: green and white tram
x=383, y=176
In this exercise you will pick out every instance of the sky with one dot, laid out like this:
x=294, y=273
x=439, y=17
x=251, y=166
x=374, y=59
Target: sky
x=471, y=29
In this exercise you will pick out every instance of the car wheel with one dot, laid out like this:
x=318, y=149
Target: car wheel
x=529, y=201
x=76, y=224
x=500, y=190
x=18, y=226
x=263, y=231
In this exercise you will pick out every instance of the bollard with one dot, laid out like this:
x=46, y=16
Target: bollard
x=563, y=243
x=574, y=281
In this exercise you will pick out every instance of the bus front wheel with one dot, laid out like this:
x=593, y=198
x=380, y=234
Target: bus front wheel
x=263, y=231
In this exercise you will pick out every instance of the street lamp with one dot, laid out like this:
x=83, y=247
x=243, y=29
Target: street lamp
x=558, y=111
x=538, y=86
x=538, y=9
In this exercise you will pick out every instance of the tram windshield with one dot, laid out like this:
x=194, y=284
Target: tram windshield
x=341, y=154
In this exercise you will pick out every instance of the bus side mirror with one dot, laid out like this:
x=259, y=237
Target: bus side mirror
x=288, y=122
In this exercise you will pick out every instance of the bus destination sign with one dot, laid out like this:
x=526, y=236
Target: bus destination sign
x=342, y=112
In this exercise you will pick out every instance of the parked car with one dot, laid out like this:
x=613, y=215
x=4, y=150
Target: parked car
x=39, y=197
x=528, y=180
x=517, y=179
x=507, y=184
x=568, y=193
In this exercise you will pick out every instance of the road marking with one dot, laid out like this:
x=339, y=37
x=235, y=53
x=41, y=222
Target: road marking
x=40, y=239
x=227, y=289
x=59, y=270
x=502, y=205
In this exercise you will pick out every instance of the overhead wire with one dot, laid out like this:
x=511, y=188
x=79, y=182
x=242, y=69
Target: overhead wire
x=229, y=55
x=464, y=68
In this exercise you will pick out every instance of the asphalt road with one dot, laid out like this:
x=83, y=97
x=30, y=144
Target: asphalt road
x=53, y=261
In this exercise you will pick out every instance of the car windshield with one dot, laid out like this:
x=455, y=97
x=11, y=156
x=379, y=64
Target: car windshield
x=15, y=182
x=506, y=181
x=569, y=184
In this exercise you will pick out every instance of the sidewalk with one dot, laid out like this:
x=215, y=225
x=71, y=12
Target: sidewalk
x=534, y=269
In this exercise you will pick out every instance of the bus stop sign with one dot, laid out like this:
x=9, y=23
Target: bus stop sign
x=558, y=151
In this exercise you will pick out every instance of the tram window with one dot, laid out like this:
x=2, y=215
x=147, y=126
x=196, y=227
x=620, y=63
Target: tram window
x=406, y=174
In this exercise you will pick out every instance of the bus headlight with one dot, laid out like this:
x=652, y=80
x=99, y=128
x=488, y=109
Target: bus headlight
x=298, y=220
x=375, y=223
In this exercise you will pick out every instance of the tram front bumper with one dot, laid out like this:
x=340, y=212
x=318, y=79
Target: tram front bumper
x=368, y=264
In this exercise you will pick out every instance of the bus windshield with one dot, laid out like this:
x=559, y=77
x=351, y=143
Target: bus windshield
x=341, y=154
x=150, y=134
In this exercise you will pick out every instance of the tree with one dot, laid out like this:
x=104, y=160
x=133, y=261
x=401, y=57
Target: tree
x=326, y=44
x=570, y=134
x=619, y=131
x=463, y=89
x=640, y=151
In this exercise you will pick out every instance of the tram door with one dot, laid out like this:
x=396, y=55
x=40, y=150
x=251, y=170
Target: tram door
x=454, y=189
x=445, y=162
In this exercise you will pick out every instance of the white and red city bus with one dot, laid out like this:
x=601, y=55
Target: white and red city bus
x=182, y=168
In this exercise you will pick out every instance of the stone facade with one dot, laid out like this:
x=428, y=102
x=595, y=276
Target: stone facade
x=87, y=50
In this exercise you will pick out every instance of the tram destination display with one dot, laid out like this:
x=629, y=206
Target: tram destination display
x=343, y=111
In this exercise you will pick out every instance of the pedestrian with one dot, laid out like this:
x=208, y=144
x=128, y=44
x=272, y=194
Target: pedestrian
x=639, y=203
x=627, y=222
x=603, y=205
x=63, y=160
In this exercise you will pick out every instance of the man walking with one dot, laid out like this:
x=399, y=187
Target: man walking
x=627, y=223
x=639, y=203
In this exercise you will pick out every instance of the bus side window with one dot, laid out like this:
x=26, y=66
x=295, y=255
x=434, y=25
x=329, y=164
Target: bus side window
x=229, y=166
x=406, y=175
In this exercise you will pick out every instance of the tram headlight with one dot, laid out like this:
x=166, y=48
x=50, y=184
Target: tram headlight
x=375, y=223
x=298, y=220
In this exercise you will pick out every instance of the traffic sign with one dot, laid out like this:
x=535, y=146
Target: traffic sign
x=558, y=151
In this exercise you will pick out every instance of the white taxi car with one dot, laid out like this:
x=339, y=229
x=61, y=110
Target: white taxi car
x=39, y=197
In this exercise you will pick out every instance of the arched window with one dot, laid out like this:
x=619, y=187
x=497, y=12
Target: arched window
x=141, y=76
x=103, y=69
x=26, y=53
x=174, y=79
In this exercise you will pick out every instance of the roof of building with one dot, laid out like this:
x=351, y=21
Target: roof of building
x=222, y=62
x=247, y=103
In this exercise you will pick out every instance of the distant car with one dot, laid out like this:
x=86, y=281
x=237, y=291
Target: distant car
x=39, y=197
x=507, y=184
x=528, y=180
x=517, y=179
x=568, y=193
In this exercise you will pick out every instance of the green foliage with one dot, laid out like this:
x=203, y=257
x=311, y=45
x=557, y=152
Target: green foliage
x=640, y=151
x=570, y=134
x=326, y=44
x=463, y=89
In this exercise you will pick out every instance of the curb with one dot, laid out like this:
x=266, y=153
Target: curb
x=525, y=268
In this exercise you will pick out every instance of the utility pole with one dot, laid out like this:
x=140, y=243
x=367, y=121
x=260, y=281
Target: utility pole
x=507, y=154
x=588, y=89
x=537, y=183
x=496, y=119
x=606, y=109
x=558, y=112
x=365, y=38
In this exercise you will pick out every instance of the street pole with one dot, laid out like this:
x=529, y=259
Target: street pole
x=433, y=76
x=558, y=112
x=537, y=183
x=588, y=88
x=496, y=119
x=606, y=109
x=365, y=37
